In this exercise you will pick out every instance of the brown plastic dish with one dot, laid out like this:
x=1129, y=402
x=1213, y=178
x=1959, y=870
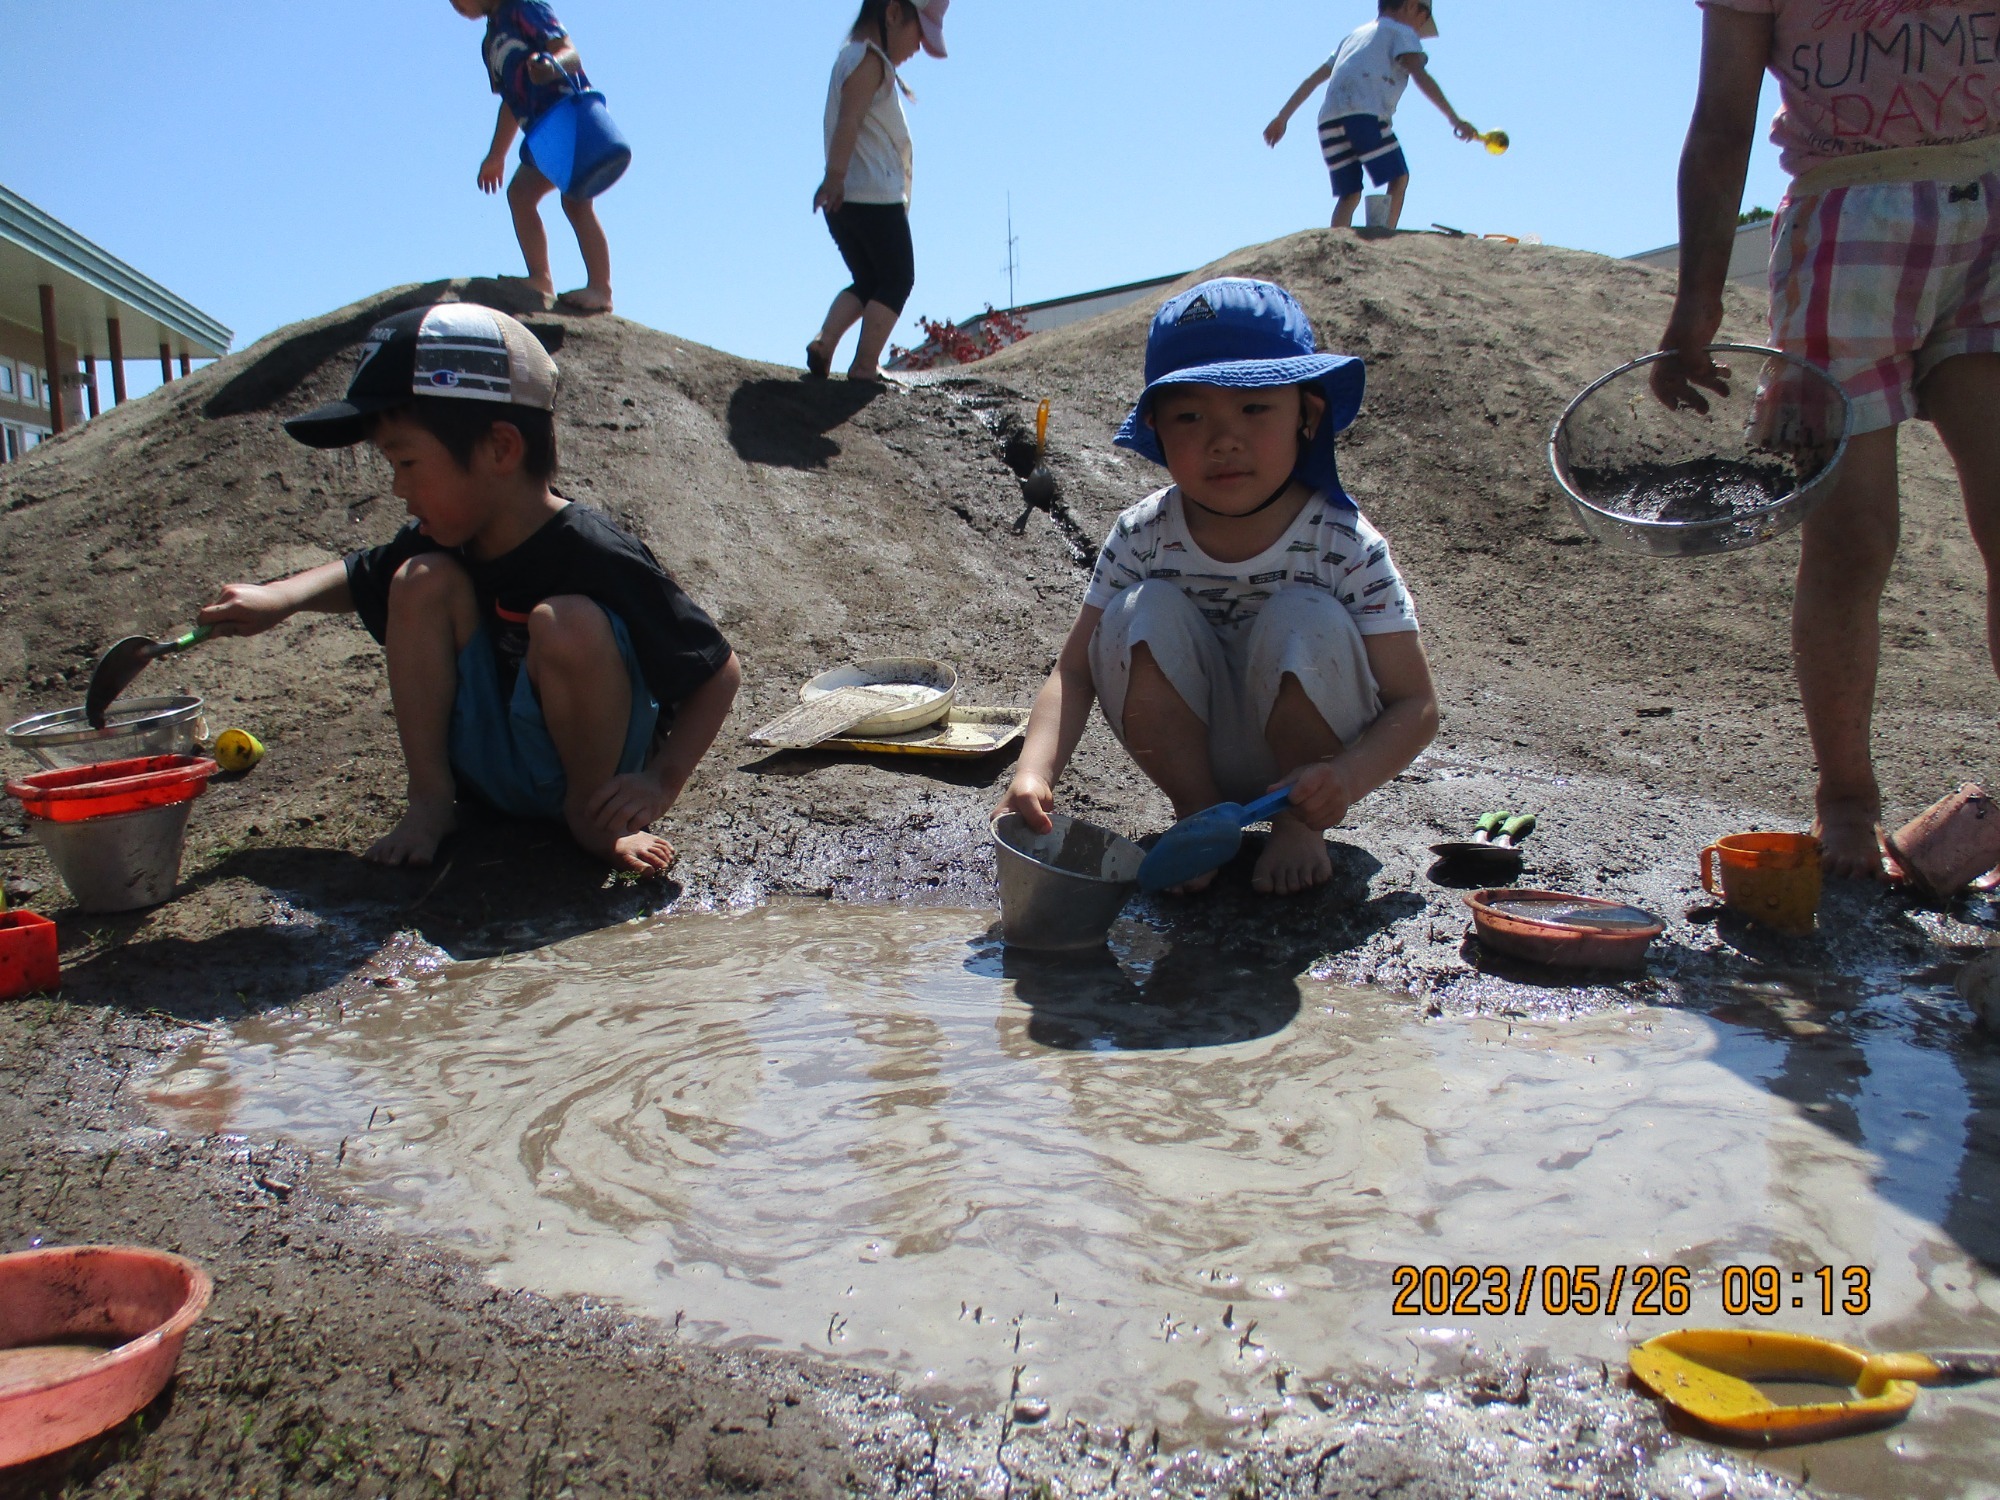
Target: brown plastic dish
x=88, y=1335
x=1575, y=944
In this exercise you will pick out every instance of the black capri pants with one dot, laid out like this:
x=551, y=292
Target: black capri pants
x=874, y=240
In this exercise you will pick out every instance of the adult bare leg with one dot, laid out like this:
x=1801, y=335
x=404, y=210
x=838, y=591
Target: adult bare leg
x=524, y=199
x=432, y=615
x=1295, y=859
x=595, y=295
x=1961, y=397
x=878, y=321
x=1849, y=544
x=586, y=696
x=843, y=315
x=1170, y=743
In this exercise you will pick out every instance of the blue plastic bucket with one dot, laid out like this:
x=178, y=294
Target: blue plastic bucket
x=577, y=145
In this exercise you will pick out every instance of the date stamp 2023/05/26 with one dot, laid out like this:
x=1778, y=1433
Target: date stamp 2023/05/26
x=1643, y=1290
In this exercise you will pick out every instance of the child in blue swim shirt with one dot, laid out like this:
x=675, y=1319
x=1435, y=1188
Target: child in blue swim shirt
x=1245, y=627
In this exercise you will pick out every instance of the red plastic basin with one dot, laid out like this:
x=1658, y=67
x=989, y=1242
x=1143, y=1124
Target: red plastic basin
x=1574, y=945
x=112, y=787
x=88, y=1335
x=27, y=954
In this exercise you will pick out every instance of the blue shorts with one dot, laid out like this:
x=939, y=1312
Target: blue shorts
x=1356, y=141
x=500, y=747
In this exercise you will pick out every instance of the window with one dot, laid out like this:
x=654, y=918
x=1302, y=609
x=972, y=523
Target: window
x=27, y=384
x=6, y=380
x=30, y=437
x=13, y=444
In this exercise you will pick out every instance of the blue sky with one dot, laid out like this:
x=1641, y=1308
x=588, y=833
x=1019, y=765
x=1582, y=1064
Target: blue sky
x=273, y=161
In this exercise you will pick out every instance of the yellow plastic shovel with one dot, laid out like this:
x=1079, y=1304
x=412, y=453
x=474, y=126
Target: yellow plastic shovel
x=1707, y=1373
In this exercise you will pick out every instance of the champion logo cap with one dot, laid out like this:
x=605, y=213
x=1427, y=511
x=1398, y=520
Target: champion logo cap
x=456, y=350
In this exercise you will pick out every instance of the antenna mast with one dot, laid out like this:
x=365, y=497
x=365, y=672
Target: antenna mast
x=1013, y=259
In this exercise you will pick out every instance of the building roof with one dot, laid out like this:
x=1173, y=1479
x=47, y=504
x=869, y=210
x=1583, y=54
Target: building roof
x=92, y=285
x=1749, y=256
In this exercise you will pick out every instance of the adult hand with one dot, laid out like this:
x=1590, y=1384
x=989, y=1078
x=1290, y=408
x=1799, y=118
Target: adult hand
x=1033, y=798
x=244, y=609
x=626, y=804
x=1275, y=131
x=830, y=195
x=1464, y=129
x=1688, y=365
x=491, y=171
x=1320, y=798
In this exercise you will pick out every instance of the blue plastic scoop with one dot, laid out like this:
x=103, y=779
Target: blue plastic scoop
x=1203, y=841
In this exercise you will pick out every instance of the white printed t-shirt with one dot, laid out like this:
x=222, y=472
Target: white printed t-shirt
x=1367, y=78
x=1328, y=547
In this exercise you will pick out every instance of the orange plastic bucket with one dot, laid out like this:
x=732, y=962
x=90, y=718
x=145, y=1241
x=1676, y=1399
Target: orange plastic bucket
x=27, y=955
x=112, y=787
x=1770, y=877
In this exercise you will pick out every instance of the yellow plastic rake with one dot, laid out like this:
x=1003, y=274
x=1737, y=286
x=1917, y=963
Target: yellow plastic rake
x=1706, y=1373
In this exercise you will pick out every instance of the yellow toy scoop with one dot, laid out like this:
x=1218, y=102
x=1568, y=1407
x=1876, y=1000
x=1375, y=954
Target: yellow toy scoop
x=1706, y=1373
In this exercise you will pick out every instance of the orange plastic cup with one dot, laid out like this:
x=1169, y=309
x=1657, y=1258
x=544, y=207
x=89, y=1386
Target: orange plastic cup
x=1770, y=877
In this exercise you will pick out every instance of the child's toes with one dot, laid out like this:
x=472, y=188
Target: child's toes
x=1294, y=860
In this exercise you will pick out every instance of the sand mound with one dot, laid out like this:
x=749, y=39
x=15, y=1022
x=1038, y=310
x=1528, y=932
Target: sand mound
x=817, y=523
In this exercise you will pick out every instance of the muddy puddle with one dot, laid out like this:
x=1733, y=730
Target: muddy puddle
x=1161, y=1185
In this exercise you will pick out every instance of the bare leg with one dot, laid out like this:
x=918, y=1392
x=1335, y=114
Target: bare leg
x=878, y=321
x=1850, y=542
x=1170, y=743
x=843, y=315
x=432, y=614
x=586, y=698
x=1396, y=191
x=524, y=198
x=596, y=251
x=1343, y=210
x=1295, y=859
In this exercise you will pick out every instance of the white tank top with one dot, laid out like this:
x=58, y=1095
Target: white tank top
x=880, y=171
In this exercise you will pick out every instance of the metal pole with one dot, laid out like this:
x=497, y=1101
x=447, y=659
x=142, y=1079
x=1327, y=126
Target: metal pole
x=187, y=369
x=52, y=382
x=117, y=360
x=166, y=365
x=90, y=382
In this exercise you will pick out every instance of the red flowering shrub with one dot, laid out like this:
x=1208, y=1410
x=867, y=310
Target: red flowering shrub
x=951, y=344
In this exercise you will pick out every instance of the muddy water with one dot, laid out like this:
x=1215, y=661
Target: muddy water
x=1704, y=489
x=1162, y=1185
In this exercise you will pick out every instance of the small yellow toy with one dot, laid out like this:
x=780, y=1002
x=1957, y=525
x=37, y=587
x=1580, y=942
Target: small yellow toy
x=238, y=750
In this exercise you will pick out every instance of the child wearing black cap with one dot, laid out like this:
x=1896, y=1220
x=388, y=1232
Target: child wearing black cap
x=538, y=656
x=1245, y=628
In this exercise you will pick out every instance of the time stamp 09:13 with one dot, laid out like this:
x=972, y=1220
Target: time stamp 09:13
x=1644, y=1290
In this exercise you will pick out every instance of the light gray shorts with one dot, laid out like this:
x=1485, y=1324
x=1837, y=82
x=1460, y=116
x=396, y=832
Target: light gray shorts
x=1232, y=682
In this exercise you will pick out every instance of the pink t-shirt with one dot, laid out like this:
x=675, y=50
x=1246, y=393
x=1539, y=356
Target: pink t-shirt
x=1870, y=75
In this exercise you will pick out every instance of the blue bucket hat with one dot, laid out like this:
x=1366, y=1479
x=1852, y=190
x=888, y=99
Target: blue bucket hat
x=1245, y=334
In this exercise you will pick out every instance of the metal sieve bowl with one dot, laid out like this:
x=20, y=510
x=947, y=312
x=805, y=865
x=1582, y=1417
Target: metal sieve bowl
x=134, y=727
x=1666, y=482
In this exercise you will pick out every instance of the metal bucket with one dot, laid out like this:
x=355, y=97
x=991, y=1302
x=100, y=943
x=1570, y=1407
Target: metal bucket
x=1062, y=889
x=118, y=863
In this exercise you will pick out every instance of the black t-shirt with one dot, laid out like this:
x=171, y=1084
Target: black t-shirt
x=576, y=552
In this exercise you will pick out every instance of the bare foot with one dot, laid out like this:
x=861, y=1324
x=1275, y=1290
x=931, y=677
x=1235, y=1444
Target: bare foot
x=415, y=838
x=643, y=853
x=1294, y=859
x=819, y=360
x=1850, y=841
x=586, y=299
x=870, y=376
x=1195, y=886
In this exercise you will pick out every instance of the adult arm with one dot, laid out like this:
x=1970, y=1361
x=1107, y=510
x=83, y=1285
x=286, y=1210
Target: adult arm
x=1275, y=131
x=627, y=804
x=248, y=608
x=855, y=96
x=1413, y=62
x=1714, y=161
x=1323, y=792
x=494, y=167
x=1062, y=712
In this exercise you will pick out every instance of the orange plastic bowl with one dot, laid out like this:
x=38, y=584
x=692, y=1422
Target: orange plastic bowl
x=77, y=794
x=1564, y=944
x=88, y=1335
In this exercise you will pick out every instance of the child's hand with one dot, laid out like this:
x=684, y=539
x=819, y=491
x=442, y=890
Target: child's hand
x=491, y=171
x=244, y=609
x=1463, y=130
x=1033, y=798
x=1320, y=798
x=1275, y=131
x=626, y=804
x=830, y=196
x=544, y=69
